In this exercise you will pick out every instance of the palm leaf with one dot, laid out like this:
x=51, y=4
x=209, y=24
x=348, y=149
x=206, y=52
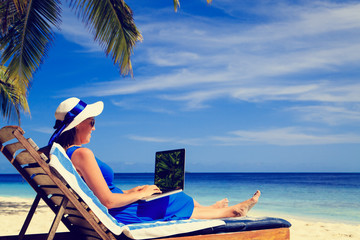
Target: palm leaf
x=112, y=23
x=8, y=14
x=177, y=4
x=26, y=35
x=12, y=97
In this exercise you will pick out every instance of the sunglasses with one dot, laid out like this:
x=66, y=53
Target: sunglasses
x=92, y=123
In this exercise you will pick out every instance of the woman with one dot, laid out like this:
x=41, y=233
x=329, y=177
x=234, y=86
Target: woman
x=74, y=124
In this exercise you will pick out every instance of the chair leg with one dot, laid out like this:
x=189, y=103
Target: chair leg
x=57, y=219
x=29, y=216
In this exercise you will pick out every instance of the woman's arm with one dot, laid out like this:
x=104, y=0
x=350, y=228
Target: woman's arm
x=135, y=189
x=85, y=163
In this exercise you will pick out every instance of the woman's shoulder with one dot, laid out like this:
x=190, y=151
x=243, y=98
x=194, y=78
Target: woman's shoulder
x=83, y=160
x=83, y=151
x=78, y=152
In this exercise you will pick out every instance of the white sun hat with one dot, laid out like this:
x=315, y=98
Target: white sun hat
x=72, y=112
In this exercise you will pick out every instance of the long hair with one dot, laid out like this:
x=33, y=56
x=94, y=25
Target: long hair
x=67, y=138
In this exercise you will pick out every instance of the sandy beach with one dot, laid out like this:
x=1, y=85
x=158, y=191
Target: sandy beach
x=13, y=212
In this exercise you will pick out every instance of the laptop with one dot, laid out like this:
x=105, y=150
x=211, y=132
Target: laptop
x=169, y=173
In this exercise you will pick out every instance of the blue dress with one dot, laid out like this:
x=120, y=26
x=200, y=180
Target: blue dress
x=174, y=207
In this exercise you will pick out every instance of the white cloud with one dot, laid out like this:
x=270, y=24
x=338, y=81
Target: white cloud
x=161, y=57
x=286, y=137
x=47, y=130
x=141, y=104
x=187, y=141
x=307, y=21
x=332, y=115
x=289, y=136
x=150, y=139
x=180, y=80
x=300, y=55
x=250, y=54
x=322, y=92
x=75, y=31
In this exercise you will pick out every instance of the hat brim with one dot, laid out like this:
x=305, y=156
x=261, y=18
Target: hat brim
x=91, y=110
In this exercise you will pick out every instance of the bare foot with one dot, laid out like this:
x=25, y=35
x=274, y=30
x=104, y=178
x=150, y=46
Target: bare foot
x=241, y=209
x=221, y=204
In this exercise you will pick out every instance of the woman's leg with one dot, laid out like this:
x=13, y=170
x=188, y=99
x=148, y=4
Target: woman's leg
x=219, y=204
x=238, y=210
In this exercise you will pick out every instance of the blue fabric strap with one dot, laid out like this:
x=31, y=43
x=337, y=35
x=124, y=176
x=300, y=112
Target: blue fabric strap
x=69, y=117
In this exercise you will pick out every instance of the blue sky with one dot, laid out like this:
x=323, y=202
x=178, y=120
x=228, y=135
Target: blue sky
x=244, y=86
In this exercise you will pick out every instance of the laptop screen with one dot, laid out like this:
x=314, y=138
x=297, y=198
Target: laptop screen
x=170, y=170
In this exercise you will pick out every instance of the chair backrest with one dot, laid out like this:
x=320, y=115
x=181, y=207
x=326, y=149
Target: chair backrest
x=62, y=165
x=32, y=163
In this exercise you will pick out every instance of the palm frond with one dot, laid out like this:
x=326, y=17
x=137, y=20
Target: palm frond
x=27, y=36
x=13, y=97
x=20, y=5
x=176, y=5
x=8, y=14
x=112, y=23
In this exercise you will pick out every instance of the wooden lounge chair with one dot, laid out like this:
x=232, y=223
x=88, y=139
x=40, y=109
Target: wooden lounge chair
x=32, y=163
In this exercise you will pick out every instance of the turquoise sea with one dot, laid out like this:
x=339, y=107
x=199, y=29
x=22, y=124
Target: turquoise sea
x=332, y=197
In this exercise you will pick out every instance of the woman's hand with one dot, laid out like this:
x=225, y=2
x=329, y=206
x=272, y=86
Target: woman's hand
x=147, y=190
x=143, y=191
